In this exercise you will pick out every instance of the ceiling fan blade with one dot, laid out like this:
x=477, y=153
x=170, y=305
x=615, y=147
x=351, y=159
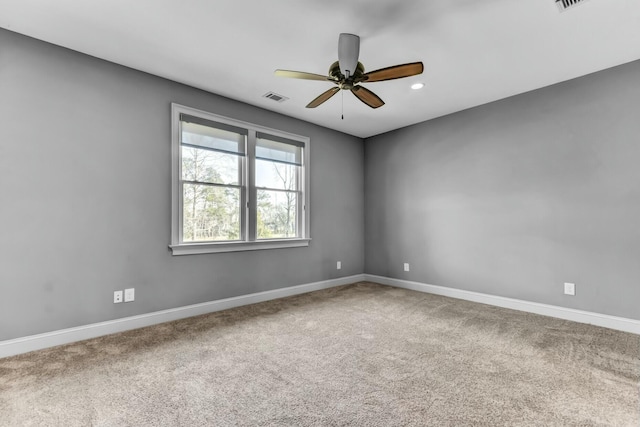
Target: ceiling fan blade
x=368, y=97
x=301, y=75
x=324, y=96
x=395, y=72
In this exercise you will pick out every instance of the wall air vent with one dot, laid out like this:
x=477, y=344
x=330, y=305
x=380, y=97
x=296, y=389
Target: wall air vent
x=275, y=97
x=568, y=4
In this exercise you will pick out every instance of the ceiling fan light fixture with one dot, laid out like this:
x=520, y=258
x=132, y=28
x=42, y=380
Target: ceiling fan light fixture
x=417, y=86
x=348, y=53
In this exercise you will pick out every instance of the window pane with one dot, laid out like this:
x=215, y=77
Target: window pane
x=210, y=137
x=210, y=213
x=277, y=214
x=210, y=166
x=272, y=150
x=276, y=175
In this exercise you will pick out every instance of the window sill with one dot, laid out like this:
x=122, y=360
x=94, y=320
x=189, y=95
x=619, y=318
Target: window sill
x=209, y=248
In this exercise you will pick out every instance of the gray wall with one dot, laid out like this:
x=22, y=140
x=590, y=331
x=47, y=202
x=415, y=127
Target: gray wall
x=516, y=197
x=511, y=198
x=85, y=196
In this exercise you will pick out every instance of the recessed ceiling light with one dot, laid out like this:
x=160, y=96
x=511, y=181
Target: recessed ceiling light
x=417, y=86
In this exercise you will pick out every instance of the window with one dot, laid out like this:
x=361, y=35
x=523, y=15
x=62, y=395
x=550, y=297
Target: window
x=278, y=168
x=236, y=186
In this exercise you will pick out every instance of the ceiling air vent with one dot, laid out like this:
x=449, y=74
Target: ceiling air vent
x=567, y=4
x=275, y=97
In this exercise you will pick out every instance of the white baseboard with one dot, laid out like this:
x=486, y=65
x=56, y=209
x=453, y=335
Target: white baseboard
x=66, y=336
x=597, y=319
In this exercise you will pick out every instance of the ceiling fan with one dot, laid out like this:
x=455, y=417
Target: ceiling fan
x=347, y=74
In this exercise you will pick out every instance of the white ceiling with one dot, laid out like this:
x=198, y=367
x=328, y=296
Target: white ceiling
x=474, y=51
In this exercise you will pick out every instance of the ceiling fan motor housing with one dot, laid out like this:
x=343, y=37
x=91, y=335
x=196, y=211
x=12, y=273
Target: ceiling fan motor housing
x=341, y=80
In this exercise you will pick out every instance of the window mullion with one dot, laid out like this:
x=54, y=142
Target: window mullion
x=301, y=204
x=252, y=207
x=244, y=208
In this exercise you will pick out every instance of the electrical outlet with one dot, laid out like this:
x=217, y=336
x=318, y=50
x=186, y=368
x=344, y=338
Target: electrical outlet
x=569, y=288
x=117, y=297
x=339, y=265
x=129, y=294
x=406, y=266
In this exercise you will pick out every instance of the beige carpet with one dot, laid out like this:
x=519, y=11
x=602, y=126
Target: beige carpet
x=364, y=355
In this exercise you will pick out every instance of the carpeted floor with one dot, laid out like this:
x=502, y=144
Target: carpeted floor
x=363, y=354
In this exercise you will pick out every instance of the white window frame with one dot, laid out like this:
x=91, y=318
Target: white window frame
x=249, y=208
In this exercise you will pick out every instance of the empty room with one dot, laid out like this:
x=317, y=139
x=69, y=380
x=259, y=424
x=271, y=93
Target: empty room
x=338, y=213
